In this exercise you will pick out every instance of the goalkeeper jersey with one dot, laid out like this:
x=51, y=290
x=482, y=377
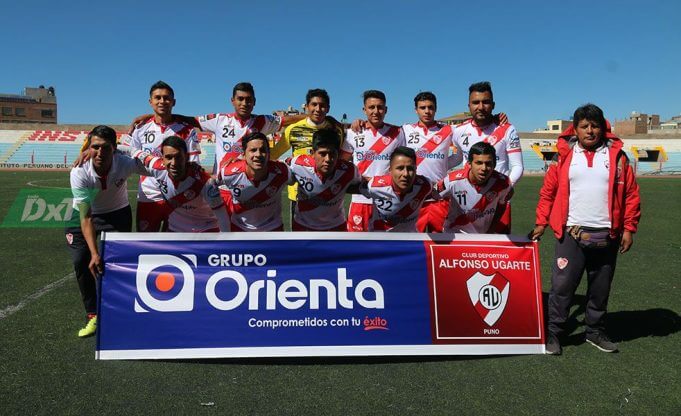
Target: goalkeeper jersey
x=298, y=138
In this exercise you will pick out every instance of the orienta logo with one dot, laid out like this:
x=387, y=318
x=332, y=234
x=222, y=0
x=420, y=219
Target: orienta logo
x=166, y=283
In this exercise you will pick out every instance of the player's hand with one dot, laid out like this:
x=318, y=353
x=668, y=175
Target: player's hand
x=83, y=157
x=96, y=266
x=358, y=125
x=138, y=120
x=536, y=233
x=626, y=242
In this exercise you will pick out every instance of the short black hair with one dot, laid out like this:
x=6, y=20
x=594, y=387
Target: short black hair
x=403, y=151
x=374, y=94
x=589, y=112
x=483, y=86
x=160, y=85
x=175, y=142
x=317, y=92
x=103, y=132
x=325, y=138
x=425, y=96
x=243, y=86
x=255, y=136
x=482, y=148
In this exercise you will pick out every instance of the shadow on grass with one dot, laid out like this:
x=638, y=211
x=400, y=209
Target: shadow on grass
x=620, y=325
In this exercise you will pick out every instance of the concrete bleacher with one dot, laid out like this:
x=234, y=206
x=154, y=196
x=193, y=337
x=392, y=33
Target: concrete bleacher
x=32, y=152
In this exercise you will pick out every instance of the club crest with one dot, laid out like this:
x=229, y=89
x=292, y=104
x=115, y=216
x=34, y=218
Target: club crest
x=489, y=295
x=561, y=262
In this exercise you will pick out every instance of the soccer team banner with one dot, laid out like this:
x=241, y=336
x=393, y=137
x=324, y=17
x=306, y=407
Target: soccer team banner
x=318, y=294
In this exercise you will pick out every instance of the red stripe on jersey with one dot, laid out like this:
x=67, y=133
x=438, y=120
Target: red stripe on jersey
x=277, y=182
x=194, y=191
x=305, y=160
x=424, y=192
x=513, y=151
x=379, y=147
x=185, y=131
x=328, y=194
x=381, y=181
x=433, y=143
x=500, y=183
x=497, y=135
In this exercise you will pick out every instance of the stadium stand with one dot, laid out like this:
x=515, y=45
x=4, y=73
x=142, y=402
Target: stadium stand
x=45, y=153
x=57, y=136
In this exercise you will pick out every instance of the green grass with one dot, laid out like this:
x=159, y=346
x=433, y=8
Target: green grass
x=46, y=369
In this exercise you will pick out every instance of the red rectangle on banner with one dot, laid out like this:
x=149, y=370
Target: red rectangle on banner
x=485, y=293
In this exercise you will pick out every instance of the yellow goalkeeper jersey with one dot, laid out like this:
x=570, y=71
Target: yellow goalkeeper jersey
x=298, y=137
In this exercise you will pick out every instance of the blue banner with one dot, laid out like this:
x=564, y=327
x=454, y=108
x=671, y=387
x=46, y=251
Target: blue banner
x=268, y=294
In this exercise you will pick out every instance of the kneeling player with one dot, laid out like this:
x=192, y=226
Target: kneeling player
x=398, y=196
x=478, y=194
x=191, y=199
x=255, y=184
x=322, y=181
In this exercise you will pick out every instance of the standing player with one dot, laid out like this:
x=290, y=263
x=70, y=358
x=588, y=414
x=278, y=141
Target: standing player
x=483, y=127
x=147, y=136
x=298, y=136
x=398, y=196
x=322, y=181
x=478, y=193
x=431, y=140
x=100, y=195
x=255, y=183
x=191, y=199
x=370, y=151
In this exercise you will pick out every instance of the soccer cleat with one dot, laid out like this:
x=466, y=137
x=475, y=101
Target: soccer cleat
x=553, y=345
x=601, y=341
x=90, y=328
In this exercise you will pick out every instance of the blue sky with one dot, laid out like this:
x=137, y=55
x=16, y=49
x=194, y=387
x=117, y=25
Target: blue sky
x=544, y=58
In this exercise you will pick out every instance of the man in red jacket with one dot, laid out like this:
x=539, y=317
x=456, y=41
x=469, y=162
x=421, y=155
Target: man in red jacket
x=591, y=201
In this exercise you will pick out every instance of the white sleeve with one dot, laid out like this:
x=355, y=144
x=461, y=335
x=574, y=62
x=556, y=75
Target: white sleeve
x=79, y=187
x=211, y=194
x=401, y=138
x=515, y=156
x=346, y=146
x=209, y=122
x=193, y=147
x=135, y=143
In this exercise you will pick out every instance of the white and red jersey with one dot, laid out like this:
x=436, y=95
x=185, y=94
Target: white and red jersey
x=371, y=150
x=229, y=129
x=503, y=137
x=104, y=193
x=148, y=136
x=473, y=208
x=191, y=204
x=433, y=147
x=393, y=211
x=320, y=201
x=255, y=205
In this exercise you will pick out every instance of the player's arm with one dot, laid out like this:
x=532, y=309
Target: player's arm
x=288, y=120
x=281, y=146
x=96, y=265
x=515, y=156
x=211, y=194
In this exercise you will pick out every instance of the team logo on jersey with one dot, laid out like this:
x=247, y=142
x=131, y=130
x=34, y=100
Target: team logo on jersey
x=357, y=219
x=414, y=204
x=437, y=139
x=335, y=188
x=207, y=117
x=386, y=140
x=189, y=194
x=120, y=182
x=270, y=191
x=380, y=182
x=491, y=195
x=489, y=295
x=561, y=262
x=69, y=238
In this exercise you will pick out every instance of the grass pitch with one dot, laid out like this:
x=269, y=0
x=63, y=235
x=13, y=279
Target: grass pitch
x=46, y=369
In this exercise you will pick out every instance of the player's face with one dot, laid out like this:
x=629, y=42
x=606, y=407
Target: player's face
x=403, y=172
x=325, y=159
x=482, y=167
x=589, y=134
x=375, y=110
x=317, y=109
x=480, y=105
x=257, y=154
x=175, y=161
x=426, y=112
x=162, y=102
x=243, y=102
x=101, y=153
